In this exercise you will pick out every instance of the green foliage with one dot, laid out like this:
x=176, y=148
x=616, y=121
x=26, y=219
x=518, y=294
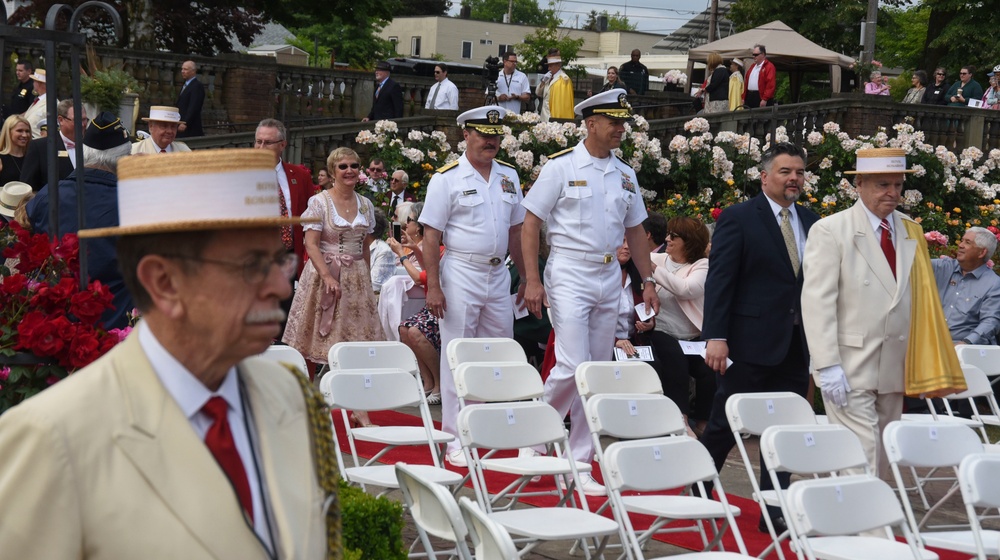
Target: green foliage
x=616, y=22
x=899, y=85
x=536, y=46
x=360, y=50
x=526, y=12
x=373, y=527
x=955, y=33
x=900, y=40
x=424, y=8
x=838, y=29
x=318, y=58
x=105, y=89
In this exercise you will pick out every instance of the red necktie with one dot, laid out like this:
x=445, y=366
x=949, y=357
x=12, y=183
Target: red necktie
x=162, y=151
x=219, y=440
x=887, y=247
x=286, y=231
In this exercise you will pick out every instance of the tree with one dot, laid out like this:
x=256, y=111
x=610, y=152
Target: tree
x=616, y=22
x=526, y=12
x=955, y=33
x=838, y=29
x=360, y=50
x=424, y=8
x=900, y=41
x=536, y=46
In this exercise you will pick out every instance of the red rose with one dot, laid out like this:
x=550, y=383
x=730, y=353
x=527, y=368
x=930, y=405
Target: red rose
x=84, y=348
x=51, y=298
x=716, y=212
x=13, y=284
x=28, y=328
x=37, y=252
x=88, y=306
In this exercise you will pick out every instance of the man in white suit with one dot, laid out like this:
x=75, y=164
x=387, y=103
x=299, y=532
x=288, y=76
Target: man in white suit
x=856, y=301
x=163, y=123
x=178, y=443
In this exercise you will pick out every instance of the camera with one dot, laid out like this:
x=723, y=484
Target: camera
x=491, y=71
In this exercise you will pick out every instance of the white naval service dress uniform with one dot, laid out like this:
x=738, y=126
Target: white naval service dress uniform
x=475, y=217
x=587, y=204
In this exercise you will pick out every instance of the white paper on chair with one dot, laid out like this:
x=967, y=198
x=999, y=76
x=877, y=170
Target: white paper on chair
x=697, y=348
x=519, y=310
x=644, y=353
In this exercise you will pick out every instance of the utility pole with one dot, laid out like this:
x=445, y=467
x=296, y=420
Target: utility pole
x=713, y=20
x=868, y=54
x=510, y=11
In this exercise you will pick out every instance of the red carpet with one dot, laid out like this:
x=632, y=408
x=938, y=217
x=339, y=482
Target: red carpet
x=754, y=540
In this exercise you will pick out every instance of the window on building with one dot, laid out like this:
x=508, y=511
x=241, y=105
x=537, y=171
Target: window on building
x=504, y=48
x=395, y=44
x=466, y=49
x=414, y=46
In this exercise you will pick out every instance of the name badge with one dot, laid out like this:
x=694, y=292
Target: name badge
x=63, y=153
x=578, y=183
x=469, y=192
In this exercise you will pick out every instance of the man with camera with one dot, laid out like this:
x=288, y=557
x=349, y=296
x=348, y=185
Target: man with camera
x=512, y=87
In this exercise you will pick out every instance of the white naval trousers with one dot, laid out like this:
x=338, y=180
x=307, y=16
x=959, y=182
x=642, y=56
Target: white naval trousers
x=477, y=296
x=583, y=298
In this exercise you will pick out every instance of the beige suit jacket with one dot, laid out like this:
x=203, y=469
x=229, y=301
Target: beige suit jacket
x=36, y=114
x=147, y=146
x=854, y=312
x=104, y=465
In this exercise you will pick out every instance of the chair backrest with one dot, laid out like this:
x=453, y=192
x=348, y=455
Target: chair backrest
x=286, y=355
x=634, y=416
x=811, y=449
x=490, y=539
x=594, y=378
x=976, y=380
x=497, y=381
x=977, y=476
x=752, y=413
x=929, y=444
x=434, y=508
x=370, y=389
x=985, y=357
x=844, y=505
x=464, y=350
x=509, y=425
x=373, y=355
x=654, y=464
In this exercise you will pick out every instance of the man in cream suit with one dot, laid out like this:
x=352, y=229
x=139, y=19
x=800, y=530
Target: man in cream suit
x=163, y=124
x=179, y=443
x=856, y=302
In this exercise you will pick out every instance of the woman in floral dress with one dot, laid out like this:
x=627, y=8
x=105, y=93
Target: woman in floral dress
x=334, y=301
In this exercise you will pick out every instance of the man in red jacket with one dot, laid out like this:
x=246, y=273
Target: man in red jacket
x=295, y=184
x=759, y=81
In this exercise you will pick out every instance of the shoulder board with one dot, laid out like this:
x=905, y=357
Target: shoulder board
x=562, y=153
x=625, y=163
x=502, y=162
x=451, y=165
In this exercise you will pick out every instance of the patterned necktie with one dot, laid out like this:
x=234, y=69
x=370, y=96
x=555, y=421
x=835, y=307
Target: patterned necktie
x=378, y=90
x=887, y=246
x=286, y=231
x=789, y=235
x=434, y=96
x=220, y=442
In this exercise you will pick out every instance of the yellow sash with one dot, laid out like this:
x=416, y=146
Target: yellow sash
x=932, y=367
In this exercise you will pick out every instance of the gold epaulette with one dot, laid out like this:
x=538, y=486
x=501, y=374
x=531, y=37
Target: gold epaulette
x=502, y=162
x=564, y=152
x=451, y=165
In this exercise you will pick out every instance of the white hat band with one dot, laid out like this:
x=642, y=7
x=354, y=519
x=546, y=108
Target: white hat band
x=881, y=164
x=161, y=115
x=182, y=198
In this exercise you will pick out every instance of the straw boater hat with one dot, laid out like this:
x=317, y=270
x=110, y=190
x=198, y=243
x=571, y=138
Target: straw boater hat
x=11, y=195
x=197, y=191
x=612, y=104
x=485, y=120
x=38, y=76
x=163, y=113
x=880, y=160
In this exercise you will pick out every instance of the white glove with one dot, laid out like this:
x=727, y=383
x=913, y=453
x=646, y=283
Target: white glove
x=833, y=385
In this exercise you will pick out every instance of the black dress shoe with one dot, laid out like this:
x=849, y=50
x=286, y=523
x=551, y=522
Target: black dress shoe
x=778, y=522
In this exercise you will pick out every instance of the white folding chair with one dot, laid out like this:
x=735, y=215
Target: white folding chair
x=984, y=356
x=382, y=389
x=489, y=539
x=514, y=425
x=828, y=513
x=464, y=350
x=978, y=385
x=931, y=445
x=594, y=378
x=751, y=414
x=286, y=355
x=496, y=382
x=661, y=464
x=434, y=511
x=977, y=477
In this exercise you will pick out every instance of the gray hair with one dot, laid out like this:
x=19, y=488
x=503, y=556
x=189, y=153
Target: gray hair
x=274, y=123
x=984, y=239
x=405, y=177
x=403, y=210
x=105, y=159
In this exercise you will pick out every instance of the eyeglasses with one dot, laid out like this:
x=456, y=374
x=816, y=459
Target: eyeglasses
x=511, y=60
x=343, y=166
x=675, y=235
x=85, y=120
x=963, y=73
x=409, y=219
x=255, y=269
x=756, y=54
x=395, y=180
x=258, y=142
x=939, y=73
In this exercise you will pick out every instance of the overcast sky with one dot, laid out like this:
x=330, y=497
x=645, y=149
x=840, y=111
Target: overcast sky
x=651, y=16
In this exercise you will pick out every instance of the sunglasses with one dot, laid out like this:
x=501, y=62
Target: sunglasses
x=675, y=235
x=343, y=166
x=756, y=54
x=939, y=73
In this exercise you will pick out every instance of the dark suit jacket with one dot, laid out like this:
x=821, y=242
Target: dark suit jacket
x=189, y=104
x=20, y=99
x=388, y=104
x=34, y=170
x=300, y=186
x=751, y=295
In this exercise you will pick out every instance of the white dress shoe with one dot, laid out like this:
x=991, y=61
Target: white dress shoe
x=589, y=485
x=527, y=452
x=456, y=458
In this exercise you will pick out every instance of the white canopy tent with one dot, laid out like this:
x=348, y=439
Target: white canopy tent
x=786, y=49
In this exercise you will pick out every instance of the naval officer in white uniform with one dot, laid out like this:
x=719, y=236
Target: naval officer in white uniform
x=474, y=206
x=590, y=200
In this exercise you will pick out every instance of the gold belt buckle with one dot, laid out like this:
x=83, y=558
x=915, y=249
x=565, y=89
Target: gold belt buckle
x=607, y=259
x=495, y=261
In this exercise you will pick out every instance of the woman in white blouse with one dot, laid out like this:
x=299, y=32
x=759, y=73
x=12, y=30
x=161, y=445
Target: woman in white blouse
x=680, y=284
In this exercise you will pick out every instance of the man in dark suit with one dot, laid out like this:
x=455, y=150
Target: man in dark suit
x=24, y=93
x=190, y=101
x=34, y=170
x=387, y=103
x=398, y=191
x=752, y=297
